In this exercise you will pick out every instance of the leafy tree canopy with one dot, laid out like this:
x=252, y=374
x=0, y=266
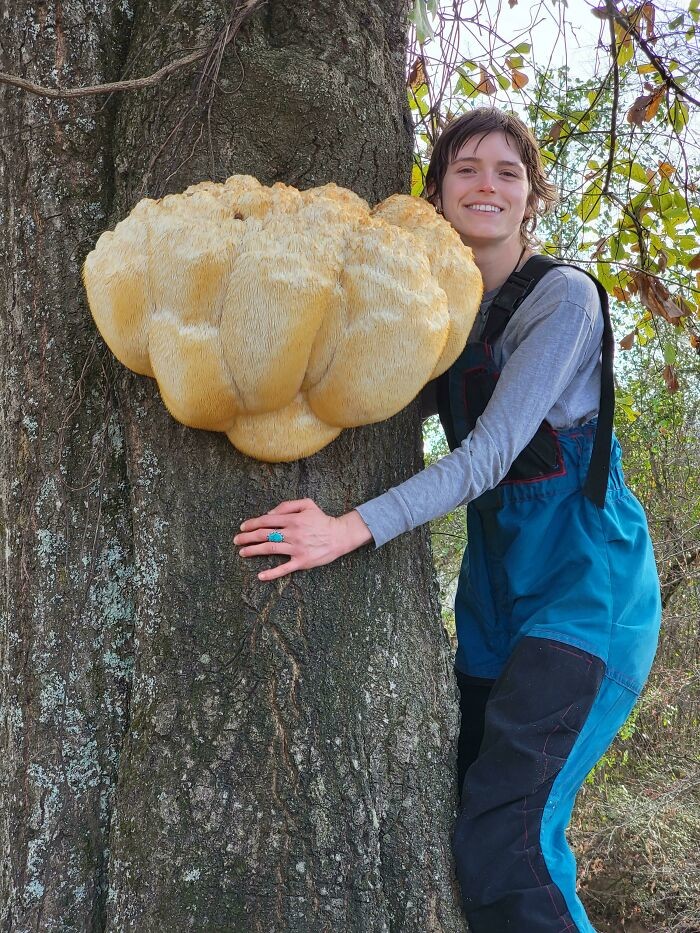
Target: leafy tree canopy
x=619, y=125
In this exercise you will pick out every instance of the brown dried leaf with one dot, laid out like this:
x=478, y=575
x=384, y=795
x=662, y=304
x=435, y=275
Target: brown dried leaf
x=512, y=3
x=627, y=342
x=621, y=293
x=646, y=106
x=648, y=12
x=657, y=299
x=655, y=103
x=555, y=131
x=662, y=260
x=666, y=169
x=518, y=79
x=694, y=263
x=671, y=379
x=486, y=84
x=416, y=75
x=695, y=342
x=599, y=248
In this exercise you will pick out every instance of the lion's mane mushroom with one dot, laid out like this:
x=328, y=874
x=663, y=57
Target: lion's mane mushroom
x=282, y=316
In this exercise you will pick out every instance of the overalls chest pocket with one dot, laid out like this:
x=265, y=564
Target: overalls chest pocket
x=472, y=381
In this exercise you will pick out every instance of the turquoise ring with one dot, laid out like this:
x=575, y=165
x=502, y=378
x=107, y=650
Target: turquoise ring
x=275, y=536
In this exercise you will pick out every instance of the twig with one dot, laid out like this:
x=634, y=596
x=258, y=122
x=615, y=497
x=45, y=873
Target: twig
x=246, y=8
x=650, y=53
x=615, y=100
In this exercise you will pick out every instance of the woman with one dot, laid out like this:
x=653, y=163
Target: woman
x=558, y=604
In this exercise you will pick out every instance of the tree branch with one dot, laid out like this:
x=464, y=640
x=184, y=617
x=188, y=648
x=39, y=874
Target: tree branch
x=246, y=9
x=677, y=573
x=650, y=53
x=615, y=101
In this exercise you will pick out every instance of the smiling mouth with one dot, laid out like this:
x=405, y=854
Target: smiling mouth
x=485, y=208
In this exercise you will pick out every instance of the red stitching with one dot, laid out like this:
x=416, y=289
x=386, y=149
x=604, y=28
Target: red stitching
x=557, y=728
x=572, y=653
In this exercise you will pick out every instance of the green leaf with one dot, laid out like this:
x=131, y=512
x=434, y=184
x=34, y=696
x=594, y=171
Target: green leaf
x=466, y=86
x=419, y=17
x=617, y=250
x=678, y=115
x=589, y=207
x=417, y=180
x=503, y=81
x=523, y=48
x=625, y=51
x=669, y=354
x=418, y=103
x=605, y=276
x=630, y=169
x=639, y=200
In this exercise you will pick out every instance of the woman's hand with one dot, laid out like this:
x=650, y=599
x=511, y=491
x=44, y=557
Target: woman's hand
x=311, y=538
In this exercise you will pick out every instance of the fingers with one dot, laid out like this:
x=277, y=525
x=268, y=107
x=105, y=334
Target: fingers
x=268, y=547
x=292, y=505
x=268, y=521
x=244, y=538
x=289, y=507
x=282, y=570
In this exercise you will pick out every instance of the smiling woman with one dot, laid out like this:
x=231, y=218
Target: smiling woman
x=485, y=196
x=553, y=644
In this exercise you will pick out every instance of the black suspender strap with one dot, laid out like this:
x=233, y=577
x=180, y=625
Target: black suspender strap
x=512, y=293
x=596, y=484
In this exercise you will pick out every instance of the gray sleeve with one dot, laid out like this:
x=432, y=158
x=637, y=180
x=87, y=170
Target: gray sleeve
x=552, y=343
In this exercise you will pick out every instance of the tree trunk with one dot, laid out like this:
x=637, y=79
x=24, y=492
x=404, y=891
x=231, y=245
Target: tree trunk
x=181, y=746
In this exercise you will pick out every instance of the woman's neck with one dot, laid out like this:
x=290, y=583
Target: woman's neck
x=498, y=261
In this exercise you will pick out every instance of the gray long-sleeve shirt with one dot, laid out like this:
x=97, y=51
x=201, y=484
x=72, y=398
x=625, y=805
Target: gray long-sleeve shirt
x=549, y=357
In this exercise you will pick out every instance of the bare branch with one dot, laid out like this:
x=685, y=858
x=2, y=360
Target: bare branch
x=245, y=9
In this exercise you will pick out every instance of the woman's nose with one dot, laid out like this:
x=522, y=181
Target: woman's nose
x=487, y=184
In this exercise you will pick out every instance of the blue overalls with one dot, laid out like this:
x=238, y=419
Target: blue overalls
x=557, y=613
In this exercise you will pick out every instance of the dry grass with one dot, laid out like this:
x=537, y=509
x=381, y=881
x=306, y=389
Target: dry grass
x=636, y=828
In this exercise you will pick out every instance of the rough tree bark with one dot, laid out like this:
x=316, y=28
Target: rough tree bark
x=181, y=747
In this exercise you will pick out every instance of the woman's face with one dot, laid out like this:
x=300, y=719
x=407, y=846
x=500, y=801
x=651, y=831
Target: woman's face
x=485, y=191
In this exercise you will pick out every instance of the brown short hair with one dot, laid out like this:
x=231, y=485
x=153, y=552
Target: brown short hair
x=480, y=122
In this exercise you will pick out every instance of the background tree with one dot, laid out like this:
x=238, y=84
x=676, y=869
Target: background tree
x=181, y=747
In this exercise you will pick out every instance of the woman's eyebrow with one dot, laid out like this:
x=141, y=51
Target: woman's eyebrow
x=500, y=162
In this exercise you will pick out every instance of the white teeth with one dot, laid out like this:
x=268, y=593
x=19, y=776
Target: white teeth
x=488, y=208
